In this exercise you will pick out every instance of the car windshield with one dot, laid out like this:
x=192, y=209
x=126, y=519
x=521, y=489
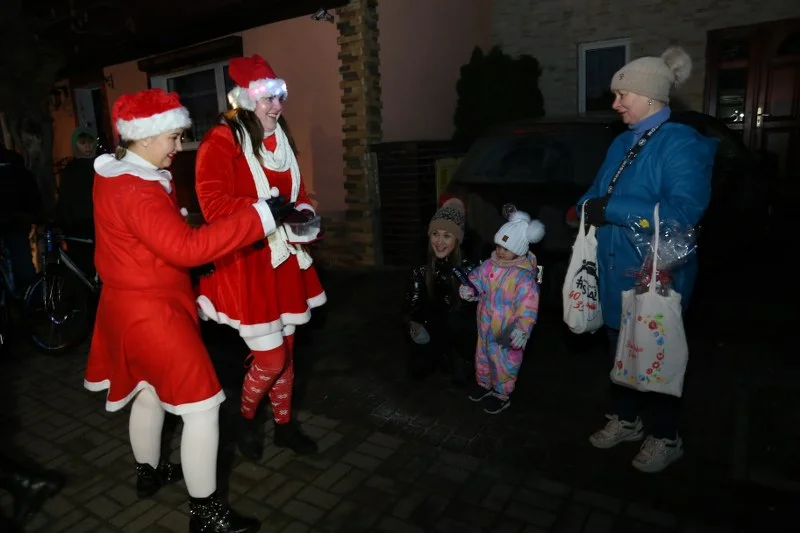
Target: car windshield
x=569, y=154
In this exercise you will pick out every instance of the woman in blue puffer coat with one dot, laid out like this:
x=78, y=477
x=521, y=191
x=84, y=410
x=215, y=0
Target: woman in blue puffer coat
x=672, y=168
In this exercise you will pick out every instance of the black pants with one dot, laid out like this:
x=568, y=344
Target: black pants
x=662, y=410
x=451, y=348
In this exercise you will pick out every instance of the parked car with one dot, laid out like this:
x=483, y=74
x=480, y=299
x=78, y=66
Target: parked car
x=543, y=166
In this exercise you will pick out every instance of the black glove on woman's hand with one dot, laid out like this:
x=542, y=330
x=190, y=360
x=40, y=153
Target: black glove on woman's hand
x=279, y=208
x=595, y=211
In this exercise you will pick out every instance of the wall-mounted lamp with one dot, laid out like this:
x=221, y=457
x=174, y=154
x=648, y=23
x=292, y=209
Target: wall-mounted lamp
x=322, y=14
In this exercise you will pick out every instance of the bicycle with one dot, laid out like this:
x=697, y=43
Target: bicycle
x=59, y=305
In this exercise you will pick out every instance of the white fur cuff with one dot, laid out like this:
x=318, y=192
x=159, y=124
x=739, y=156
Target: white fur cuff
x=142, y=128
x=264, y=213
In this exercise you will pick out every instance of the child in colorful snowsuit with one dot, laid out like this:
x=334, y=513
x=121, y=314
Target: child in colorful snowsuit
x=507, y=289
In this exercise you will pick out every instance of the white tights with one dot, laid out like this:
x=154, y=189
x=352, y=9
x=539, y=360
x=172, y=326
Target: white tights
x=199, y=441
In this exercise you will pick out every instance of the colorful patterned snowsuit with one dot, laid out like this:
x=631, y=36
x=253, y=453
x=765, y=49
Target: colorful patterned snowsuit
x=509, y=299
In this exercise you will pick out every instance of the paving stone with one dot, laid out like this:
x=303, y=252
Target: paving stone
x=87, y=524
x=349, y=482
x=326, y=442
x=394, y=525
x=302, y=470
x=498, y=495
x=429, y=511
x=339, y=516
x=507, y=525
x=601, y=501
x=332, y=475
x=103, y=507
x=651, y=516
x=267, y=486
x=318, y=497
x=530, y=515
x=374, y=450
x=548, y=486
x=131, y=513
x=303, y=511
x=249, y=507
x=599, y=522
x=573, y=519
x=252, y=471
x=296, y=527
x=463, y=511
x=406, y=505
x=284, y=492
x=144, y=523
x=359, y=460
x=539, y=500
x=448, y=525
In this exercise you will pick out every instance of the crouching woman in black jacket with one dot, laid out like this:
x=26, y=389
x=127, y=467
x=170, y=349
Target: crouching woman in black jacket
x=441, y=326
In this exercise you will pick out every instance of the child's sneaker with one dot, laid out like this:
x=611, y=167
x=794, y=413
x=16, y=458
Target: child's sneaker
x=657, y=454
x=478, y=393
x=494, y=404
x=617, y=431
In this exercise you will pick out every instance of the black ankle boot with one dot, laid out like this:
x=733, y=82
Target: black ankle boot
x=210, y=515
x=250, y=438
x=290, y=436
x=29, y=487
x=149, y=479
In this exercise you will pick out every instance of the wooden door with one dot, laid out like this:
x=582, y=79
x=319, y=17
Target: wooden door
x=776, y=122
x=753, y=85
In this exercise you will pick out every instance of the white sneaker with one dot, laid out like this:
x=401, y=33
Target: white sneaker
x=617, y=431
x=657, y=454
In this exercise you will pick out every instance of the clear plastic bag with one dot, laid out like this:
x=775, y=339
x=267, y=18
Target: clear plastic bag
x=677, y=242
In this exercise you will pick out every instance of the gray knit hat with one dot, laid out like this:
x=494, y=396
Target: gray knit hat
x=449, y=217
x=653, y=77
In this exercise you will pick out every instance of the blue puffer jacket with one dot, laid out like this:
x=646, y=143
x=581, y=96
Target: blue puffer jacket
x=674, y=168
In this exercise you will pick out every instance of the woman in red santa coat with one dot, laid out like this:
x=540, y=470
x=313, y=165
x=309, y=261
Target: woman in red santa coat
x=146, y=349
x=263, y=291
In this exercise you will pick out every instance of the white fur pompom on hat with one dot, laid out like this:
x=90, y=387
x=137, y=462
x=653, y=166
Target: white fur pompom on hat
x=520, y=231
x=679, y=62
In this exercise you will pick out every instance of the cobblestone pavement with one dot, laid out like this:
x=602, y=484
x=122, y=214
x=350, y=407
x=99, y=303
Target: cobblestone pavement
x=400, y=457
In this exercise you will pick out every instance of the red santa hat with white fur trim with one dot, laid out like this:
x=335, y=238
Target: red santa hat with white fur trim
x=254, y=80
x=148, y=113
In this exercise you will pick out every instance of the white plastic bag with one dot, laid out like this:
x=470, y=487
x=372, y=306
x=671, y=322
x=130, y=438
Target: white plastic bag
x=582, y=311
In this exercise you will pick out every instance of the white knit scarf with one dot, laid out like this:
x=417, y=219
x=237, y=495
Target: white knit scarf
x=281, y=160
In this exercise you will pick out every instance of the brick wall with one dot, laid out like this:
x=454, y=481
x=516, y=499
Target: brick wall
x=551, y=31
x=361, y=110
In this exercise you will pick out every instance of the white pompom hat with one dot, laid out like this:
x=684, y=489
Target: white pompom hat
x=520, y=231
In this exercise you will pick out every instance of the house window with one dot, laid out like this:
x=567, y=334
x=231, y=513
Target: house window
x=597, y=63
x=203, y=91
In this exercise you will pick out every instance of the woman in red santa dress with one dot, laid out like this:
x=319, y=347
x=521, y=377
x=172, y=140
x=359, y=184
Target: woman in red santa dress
x=264, y=291
x=146, y=349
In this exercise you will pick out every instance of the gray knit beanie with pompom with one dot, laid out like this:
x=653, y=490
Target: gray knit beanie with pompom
x=653, y=77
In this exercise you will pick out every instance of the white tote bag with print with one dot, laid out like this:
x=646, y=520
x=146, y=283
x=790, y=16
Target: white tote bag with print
x=652, y=352
x=582, y=311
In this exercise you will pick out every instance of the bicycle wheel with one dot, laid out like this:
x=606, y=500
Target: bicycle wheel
x=57, y=312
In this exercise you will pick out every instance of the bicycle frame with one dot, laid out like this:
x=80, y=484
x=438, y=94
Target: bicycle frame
x=92, y=284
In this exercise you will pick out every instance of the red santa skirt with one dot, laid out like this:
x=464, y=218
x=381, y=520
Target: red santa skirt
x=151, y=339
x=248, y=294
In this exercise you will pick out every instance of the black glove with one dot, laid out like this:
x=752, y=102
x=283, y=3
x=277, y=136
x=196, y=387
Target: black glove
x=296, y=217
x=280, y=208
x=595, y=210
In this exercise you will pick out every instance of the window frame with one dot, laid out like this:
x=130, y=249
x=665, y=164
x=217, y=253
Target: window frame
x=161, y=81
x=583, y=49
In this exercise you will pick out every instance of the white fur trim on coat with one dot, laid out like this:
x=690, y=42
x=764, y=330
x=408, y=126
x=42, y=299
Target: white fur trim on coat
x=142, y=128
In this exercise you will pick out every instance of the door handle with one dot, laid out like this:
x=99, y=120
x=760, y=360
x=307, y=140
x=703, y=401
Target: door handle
x=760, y=116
